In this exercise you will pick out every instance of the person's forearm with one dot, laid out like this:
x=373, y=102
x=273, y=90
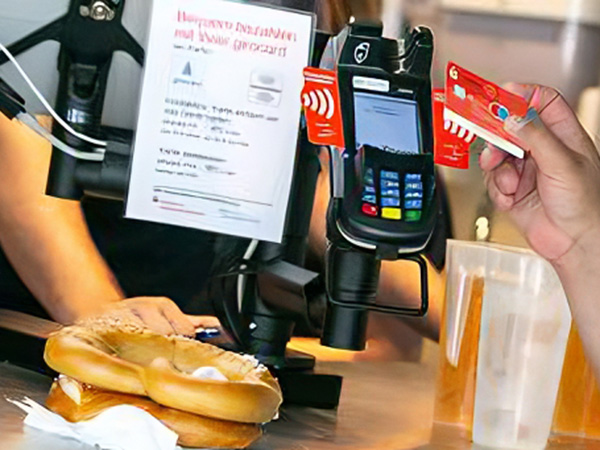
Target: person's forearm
x=579, y=273
x=48, y=244
x=46, y=239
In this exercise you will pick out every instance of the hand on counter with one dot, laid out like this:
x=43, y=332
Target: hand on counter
x=553, y=196
x=160, y=314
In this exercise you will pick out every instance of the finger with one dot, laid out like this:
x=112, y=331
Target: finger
x=154, y=319
x=556, y=113
x=527, y=181
x=506, y=178
x=537, y=96
x=204, y=321
x=180, y=323
x=552, y=157
x=502, y=201
x=491, y=157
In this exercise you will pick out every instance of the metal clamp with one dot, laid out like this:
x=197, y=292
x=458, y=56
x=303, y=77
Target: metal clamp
x=397, y=310
x=98, y=10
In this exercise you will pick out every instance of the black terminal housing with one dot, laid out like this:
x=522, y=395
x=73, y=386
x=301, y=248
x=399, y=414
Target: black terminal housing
x=407, y=81
x=384, y=204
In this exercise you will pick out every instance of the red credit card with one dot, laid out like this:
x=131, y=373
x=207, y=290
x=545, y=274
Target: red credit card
x=451, y=142
x=481, y=107
x=321, y=101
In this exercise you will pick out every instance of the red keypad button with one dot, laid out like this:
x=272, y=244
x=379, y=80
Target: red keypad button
x=369, y=210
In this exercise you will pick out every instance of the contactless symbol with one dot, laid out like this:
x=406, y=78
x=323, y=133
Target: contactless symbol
x=320, y=101
x=499, y=111
x=361, y=52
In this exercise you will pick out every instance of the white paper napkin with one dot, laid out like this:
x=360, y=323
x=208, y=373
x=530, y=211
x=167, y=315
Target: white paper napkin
x=122, y=427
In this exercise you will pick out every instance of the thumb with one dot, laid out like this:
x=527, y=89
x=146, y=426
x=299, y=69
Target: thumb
x=550, y=154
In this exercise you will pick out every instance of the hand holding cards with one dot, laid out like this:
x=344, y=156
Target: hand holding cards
x=477, y=106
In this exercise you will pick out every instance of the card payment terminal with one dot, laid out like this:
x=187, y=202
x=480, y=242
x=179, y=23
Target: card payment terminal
x=384, y=204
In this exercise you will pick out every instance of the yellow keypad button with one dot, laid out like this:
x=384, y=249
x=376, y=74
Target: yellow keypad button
x=391, y=213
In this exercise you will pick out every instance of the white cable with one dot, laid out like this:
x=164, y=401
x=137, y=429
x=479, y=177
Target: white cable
x=29, y=121
x=241, y=281
x=49, y=108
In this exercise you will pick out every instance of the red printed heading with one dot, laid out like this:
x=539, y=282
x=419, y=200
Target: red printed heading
x=239, y=36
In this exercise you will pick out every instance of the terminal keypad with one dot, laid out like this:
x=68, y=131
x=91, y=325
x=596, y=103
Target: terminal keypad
x=392, y=195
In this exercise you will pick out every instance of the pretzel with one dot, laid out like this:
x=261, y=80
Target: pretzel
x=124, y=356
x=78, y=402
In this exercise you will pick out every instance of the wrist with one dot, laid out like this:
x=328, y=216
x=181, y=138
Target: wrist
x=71, y=309
x=581, y=264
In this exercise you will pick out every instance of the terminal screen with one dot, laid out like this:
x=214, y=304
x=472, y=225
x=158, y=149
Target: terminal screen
x=387, y=123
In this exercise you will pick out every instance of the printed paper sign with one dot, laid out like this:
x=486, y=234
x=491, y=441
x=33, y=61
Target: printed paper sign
x=219, y=116
x=321, y=101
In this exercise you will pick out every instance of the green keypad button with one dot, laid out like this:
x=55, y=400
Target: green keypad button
x=412, y=216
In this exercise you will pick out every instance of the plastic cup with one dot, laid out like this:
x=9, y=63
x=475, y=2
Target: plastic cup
x=523, y=332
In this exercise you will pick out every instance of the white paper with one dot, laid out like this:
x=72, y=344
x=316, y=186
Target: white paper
x=219, y=115
x=121, y=427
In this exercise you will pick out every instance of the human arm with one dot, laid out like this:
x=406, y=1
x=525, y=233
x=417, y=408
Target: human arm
x=47, y=241
x=553, y=196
